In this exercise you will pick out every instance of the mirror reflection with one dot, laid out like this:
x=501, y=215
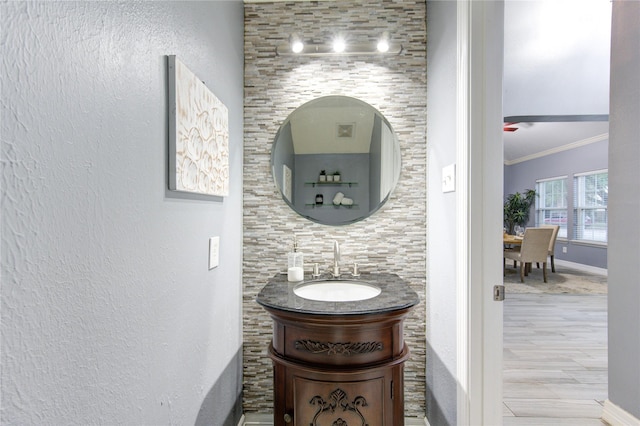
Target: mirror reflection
x=335, y=160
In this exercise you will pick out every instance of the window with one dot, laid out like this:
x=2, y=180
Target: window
x=551, y=203
x=591, y=193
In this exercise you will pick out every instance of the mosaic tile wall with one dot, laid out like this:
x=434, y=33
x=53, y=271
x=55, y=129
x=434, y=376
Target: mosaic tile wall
x=394, y=238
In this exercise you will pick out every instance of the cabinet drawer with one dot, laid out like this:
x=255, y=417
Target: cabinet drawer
x=339, y=347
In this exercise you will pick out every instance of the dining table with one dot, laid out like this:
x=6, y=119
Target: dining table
x=513, y=240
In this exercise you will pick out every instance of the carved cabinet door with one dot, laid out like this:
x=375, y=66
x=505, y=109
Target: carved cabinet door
x=351, y=403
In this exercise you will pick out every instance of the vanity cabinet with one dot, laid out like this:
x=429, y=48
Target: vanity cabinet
x=343, y=370
x=338, y=363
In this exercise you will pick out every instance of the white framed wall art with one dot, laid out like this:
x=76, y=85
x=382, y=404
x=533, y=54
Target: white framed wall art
x=198, y=135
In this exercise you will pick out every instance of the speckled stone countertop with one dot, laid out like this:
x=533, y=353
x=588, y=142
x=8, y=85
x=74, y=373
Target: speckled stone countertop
x=396, y=294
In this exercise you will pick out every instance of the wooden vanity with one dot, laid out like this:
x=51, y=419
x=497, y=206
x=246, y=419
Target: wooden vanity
x=339, y=363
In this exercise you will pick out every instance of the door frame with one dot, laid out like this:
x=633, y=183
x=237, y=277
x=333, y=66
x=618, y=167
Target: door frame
x=479, y=173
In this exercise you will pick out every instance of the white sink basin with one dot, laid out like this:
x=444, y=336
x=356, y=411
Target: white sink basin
x=336, y=291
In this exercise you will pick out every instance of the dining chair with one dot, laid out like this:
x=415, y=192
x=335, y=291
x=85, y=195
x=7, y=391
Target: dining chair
x=534, y=248
x=552, y=244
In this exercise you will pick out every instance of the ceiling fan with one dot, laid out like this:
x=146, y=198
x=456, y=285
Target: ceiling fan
x=508, y=127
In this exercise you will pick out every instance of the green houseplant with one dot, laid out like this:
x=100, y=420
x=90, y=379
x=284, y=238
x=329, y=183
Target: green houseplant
x=516, y=209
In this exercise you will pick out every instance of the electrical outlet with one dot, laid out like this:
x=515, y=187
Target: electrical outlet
x=564, y=249
x=214, y=252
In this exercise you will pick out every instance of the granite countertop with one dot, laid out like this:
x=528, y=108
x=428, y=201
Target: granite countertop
x=396, y=294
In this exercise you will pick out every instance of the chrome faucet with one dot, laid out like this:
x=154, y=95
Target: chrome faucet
x=336, y=260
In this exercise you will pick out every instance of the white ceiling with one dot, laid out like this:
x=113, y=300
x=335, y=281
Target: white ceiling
x=556, y=64
x=312, y=135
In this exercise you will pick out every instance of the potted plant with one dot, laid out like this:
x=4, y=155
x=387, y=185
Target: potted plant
x=516, y=209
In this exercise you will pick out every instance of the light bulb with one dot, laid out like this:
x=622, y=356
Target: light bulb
x=297, y=46
x=383, y=43
x=383, y=46
x=339, y=45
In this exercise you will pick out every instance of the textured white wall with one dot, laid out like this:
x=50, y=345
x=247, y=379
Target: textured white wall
x=109, y=312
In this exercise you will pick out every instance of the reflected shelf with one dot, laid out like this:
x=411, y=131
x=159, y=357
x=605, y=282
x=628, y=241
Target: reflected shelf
x=339, y=183
x=337, y=206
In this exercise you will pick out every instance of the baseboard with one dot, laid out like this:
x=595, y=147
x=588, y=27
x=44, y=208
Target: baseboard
x=254, y=419
x=581, y=267
x=616, y=416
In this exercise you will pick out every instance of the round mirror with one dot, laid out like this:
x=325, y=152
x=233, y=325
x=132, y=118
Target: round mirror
x=335, y=160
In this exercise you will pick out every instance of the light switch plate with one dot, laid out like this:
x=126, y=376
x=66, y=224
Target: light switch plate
x=214, y=252
x=449, y=178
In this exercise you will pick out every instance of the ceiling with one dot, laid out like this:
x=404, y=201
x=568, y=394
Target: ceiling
x=537, y=139
x=556, y=75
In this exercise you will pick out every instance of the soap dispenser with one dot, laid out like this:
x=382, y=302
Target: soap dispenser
x=295, y=272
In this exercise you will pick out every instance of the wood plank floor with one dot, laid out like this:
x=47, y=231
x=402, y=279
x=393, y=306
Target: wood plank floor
x=555, y=359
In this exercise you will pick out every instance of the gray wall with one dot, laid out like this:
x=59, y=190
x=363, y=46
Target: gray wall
x=284, y=155
x=521, y=176
x=109, y=312
x=392, y=240
x=441, y=207
x=375, y=163
x=624, y=204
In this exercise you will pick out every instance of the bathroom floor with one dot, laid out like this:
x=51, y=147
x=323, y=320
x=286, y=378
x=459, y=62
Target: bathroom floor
x=555, y=359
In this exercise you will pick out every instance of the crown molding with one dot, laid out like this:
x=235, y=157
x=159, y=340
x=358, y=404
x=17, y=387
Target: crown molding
x=567, y=147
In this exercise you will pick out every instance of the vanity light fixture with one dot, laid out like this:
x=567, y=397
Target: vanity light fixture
x=296, y=47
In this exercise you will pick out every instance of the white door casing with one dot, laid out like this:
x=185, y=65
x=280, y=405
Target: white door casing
x=479, y=173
